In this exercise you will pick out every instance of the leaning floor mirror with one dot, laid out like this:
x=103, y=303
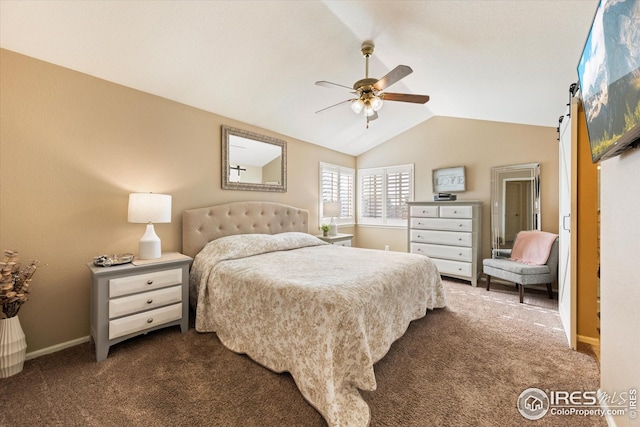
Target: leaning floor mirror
x=515, y=202
x=254, y=162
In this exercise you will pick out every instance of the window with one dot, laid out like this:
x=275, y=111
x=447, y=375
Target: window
x=337, y=183
x=383, y=194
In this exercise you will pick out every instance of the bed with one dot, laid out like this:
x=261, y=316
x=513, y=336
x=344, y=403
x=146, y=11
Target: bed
x=293, y=303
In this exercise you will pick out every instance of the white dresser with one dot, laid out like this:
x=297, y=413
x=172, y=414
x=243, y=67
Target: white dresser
x=450, y=234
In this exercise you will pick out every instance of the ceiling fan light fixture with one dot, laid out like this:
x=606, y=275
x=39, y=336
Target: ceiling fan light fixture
x=368, y=108
x=370, y=95
x=376, y=103
x=357, y=106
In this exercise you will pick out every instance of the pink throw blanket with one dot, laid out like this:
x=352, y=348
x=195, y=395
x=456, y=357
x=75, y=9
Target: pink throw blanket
x=533, y=247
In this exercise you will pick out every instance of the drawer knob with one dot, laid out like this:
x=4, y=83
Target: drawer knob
x=459, y=225
x=149, y=282
x=150, y=320
x=149, y=301
x=460, y=239
x=455, y=211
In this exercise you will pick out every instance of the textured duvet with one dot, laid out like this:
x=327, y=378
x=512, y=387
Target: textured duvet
x=324, y=313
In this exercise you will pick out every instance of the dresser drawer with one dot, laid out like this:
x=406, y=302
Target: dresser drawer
x=441, y=237
x=424, y=211
x=442, y=224
x=456, y=253
x=144, y=301
x=456, y=211
x=456, y=268
x=141, y=321
x=144, y=282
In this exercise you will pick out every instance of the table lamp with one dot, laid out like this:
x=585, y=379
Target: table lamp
x=332, y=209
x=147, y=208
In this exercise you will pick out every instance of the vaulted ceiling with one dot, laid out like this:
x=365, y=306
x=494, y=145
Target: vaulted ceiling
x=257, y=61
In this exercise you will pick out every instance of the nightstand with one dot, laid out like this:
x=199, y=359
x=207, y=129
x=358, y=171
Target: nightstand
x=339, y=239
x=132, y=299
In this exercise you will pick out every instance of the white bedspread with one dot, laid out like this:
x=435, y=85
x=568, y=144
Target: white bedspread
x=324, y=313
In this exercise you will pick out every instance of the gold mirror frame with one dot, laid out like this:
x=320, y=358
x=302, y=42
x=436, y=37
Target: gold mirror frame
x=227, y=184
x=527, y=176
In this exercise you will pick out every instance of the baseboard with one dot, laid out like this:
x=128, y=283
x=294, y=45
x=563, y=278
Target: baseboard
x=57, y=347
x=594, y=343
x=589, y=340
x=611, y=421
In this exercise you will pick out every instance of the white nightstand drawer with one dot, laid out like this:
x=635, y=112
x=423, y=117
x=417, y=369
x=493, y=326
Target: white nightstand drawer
x=456, y=253
x=144, y=282
x=453, y=267
x=144, y=301
x=442, y=224
x=148, y=319
x=456, y=211
x=441, y=237
x=424, y=211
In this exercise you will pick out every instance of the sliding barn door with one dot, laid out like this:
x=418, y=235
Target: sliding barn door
x=567, y=207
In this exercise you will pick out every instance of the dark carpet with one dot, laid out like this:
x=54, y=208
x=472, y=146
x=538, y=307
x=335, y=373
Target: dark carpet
x=464, y=365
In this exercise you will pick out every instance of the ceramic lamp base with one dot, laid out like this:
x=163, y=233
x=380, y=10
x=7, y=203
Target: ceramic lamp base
x=150, y=245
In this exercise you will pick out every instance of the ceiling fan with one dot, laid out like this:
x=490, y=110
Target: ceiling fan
x=369, y=91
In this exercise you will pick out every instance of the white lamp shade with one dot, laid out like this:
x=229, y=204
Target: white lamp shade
x=376, y=103
x=149, y=208
x=331, y=209
x=357, y=105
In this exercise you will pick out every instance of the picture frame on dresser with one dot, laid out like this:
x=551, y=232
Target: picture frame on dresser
x=449, y=180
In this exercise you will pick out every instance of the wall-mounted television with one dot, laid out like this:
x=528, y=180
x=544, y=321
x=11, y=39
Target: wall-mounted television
x=609, y=77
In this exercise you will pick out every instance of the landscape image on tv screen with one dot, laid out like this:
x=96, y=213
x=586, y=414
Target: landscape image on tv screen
x=609, y=73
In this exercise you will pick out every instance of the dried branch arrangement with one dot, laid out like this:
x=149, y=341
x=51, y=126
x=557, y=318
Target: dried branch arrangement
x=14, y=283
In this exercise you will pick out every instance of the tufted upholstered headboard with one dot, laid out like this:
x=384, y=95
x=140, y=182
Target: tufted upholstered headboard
x=200, y=226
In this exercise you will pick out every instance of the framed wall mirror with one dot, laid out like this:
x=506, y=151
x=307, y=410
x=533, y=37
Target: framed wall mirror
x=253, y=162
x=515, y=202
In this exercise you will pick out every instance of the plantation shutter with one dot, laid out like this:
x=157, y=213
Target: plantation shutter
x=383, y=195
x=347, y=195
x=398, y=192
x=337, y=184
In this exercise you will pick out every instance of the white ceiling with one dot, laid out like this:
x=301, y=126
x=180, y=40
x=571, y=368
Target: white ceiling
x=257, y=61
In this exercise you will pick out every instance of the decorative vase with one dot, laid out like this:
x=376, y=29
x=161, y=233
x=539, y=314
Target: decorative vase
x=13, y=347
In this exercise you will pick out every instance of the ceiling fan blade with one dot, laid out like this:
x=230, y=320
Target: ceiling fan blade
x=334, y=105
x=398, y=73
x=405, y=97
x=331, y=85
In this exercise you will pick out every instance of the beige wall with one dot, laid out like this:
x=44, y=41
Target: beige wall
x=477, y=145
x=72, y=147
x=619, y=279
